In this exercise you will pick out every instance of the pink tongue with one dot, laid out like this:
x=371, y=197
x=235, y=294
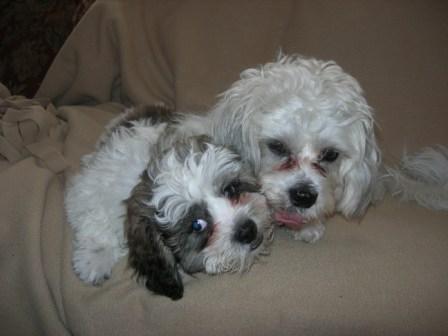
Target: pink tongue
x=291, y=220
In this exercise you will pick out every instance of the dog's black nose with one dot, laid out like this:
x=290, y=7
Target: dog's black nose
x=246, y=232
x=303, y=196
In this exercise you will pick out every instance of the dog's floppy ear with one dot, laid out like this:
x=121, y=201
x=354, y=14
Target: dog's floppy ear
x=359, y=173
x=359, y=170
x=152, y=260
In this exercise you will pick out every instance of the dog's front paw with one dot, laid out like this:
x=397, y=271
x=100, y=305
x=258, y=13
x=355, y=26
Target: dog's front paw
x=311, y=233
x=93, y=266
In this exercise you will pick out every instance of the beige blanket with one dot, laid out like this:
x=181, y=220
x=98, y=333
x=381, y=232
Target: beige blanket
x=386, y=274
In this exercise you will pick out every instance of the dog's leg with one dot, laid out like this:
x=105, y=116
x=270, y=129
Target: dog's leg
x=92, y=263
x=310, y=233
x=95, y=253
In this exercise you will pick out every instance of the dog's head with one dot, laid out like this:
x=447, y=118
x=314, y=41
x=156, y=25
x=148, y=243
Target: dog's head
x=196, y=209
x=308, y=131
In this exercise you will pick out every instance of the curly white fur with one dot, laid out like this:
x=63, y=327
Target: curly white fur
x=308, y=131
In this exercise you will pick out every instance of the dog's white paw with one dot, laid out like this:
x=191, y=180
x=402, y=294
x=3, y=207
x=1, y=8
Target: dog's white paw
x=311, y=233
x=93, y=266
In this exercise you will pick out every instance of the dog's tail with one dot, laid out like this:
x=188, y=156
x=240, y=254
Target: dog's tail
x=421, y=177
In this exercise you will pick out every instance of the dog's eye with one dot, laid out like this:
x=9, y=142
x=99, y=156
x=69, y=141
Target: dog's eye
x=278, y=148
x=329, y=155
x=232, y=190
x=199, y=225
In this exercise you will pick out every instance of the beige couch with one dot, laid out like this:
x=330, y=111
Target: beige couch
x=385, y=274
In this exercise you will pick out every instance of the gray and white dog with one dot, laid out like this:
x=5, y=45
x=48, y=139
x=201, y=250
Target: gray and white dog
x=306, y=128
x=189, y=205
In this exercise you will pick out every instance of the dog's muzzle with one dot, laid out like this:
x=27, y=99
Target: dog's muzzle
x=247, y=233
x=303, y=196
